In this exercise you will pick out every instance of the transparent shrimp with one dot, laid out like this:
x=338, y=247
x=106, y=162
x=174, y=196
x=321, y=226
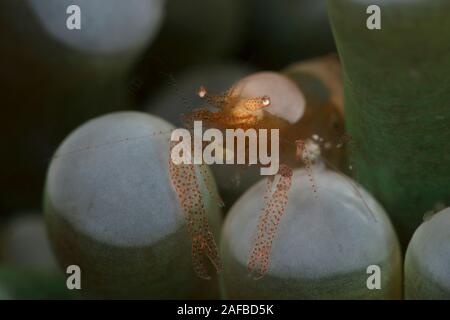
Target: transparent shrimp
x=232, y=111
x=306, y=150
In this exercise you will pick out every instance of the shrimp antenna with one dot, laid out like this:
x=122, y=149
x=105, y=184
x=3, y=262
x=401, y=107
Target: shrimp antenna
x=354, y=186
x=108, y=144
x=348, y=179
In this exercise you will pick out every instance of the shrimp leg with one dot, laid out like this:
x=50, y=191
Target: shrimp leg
x=274, y=208
x=184, y=180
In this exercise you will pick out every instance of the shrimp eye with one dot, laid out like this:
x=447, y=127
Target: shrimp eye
x=265, y=101
x=202, y=92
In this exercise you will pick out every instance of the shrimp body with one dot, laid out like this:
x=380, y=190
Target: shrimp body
x=233, y=111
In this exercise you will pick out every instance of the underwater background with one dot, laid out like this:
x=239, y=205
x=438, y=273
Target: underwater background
x=85, y=177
